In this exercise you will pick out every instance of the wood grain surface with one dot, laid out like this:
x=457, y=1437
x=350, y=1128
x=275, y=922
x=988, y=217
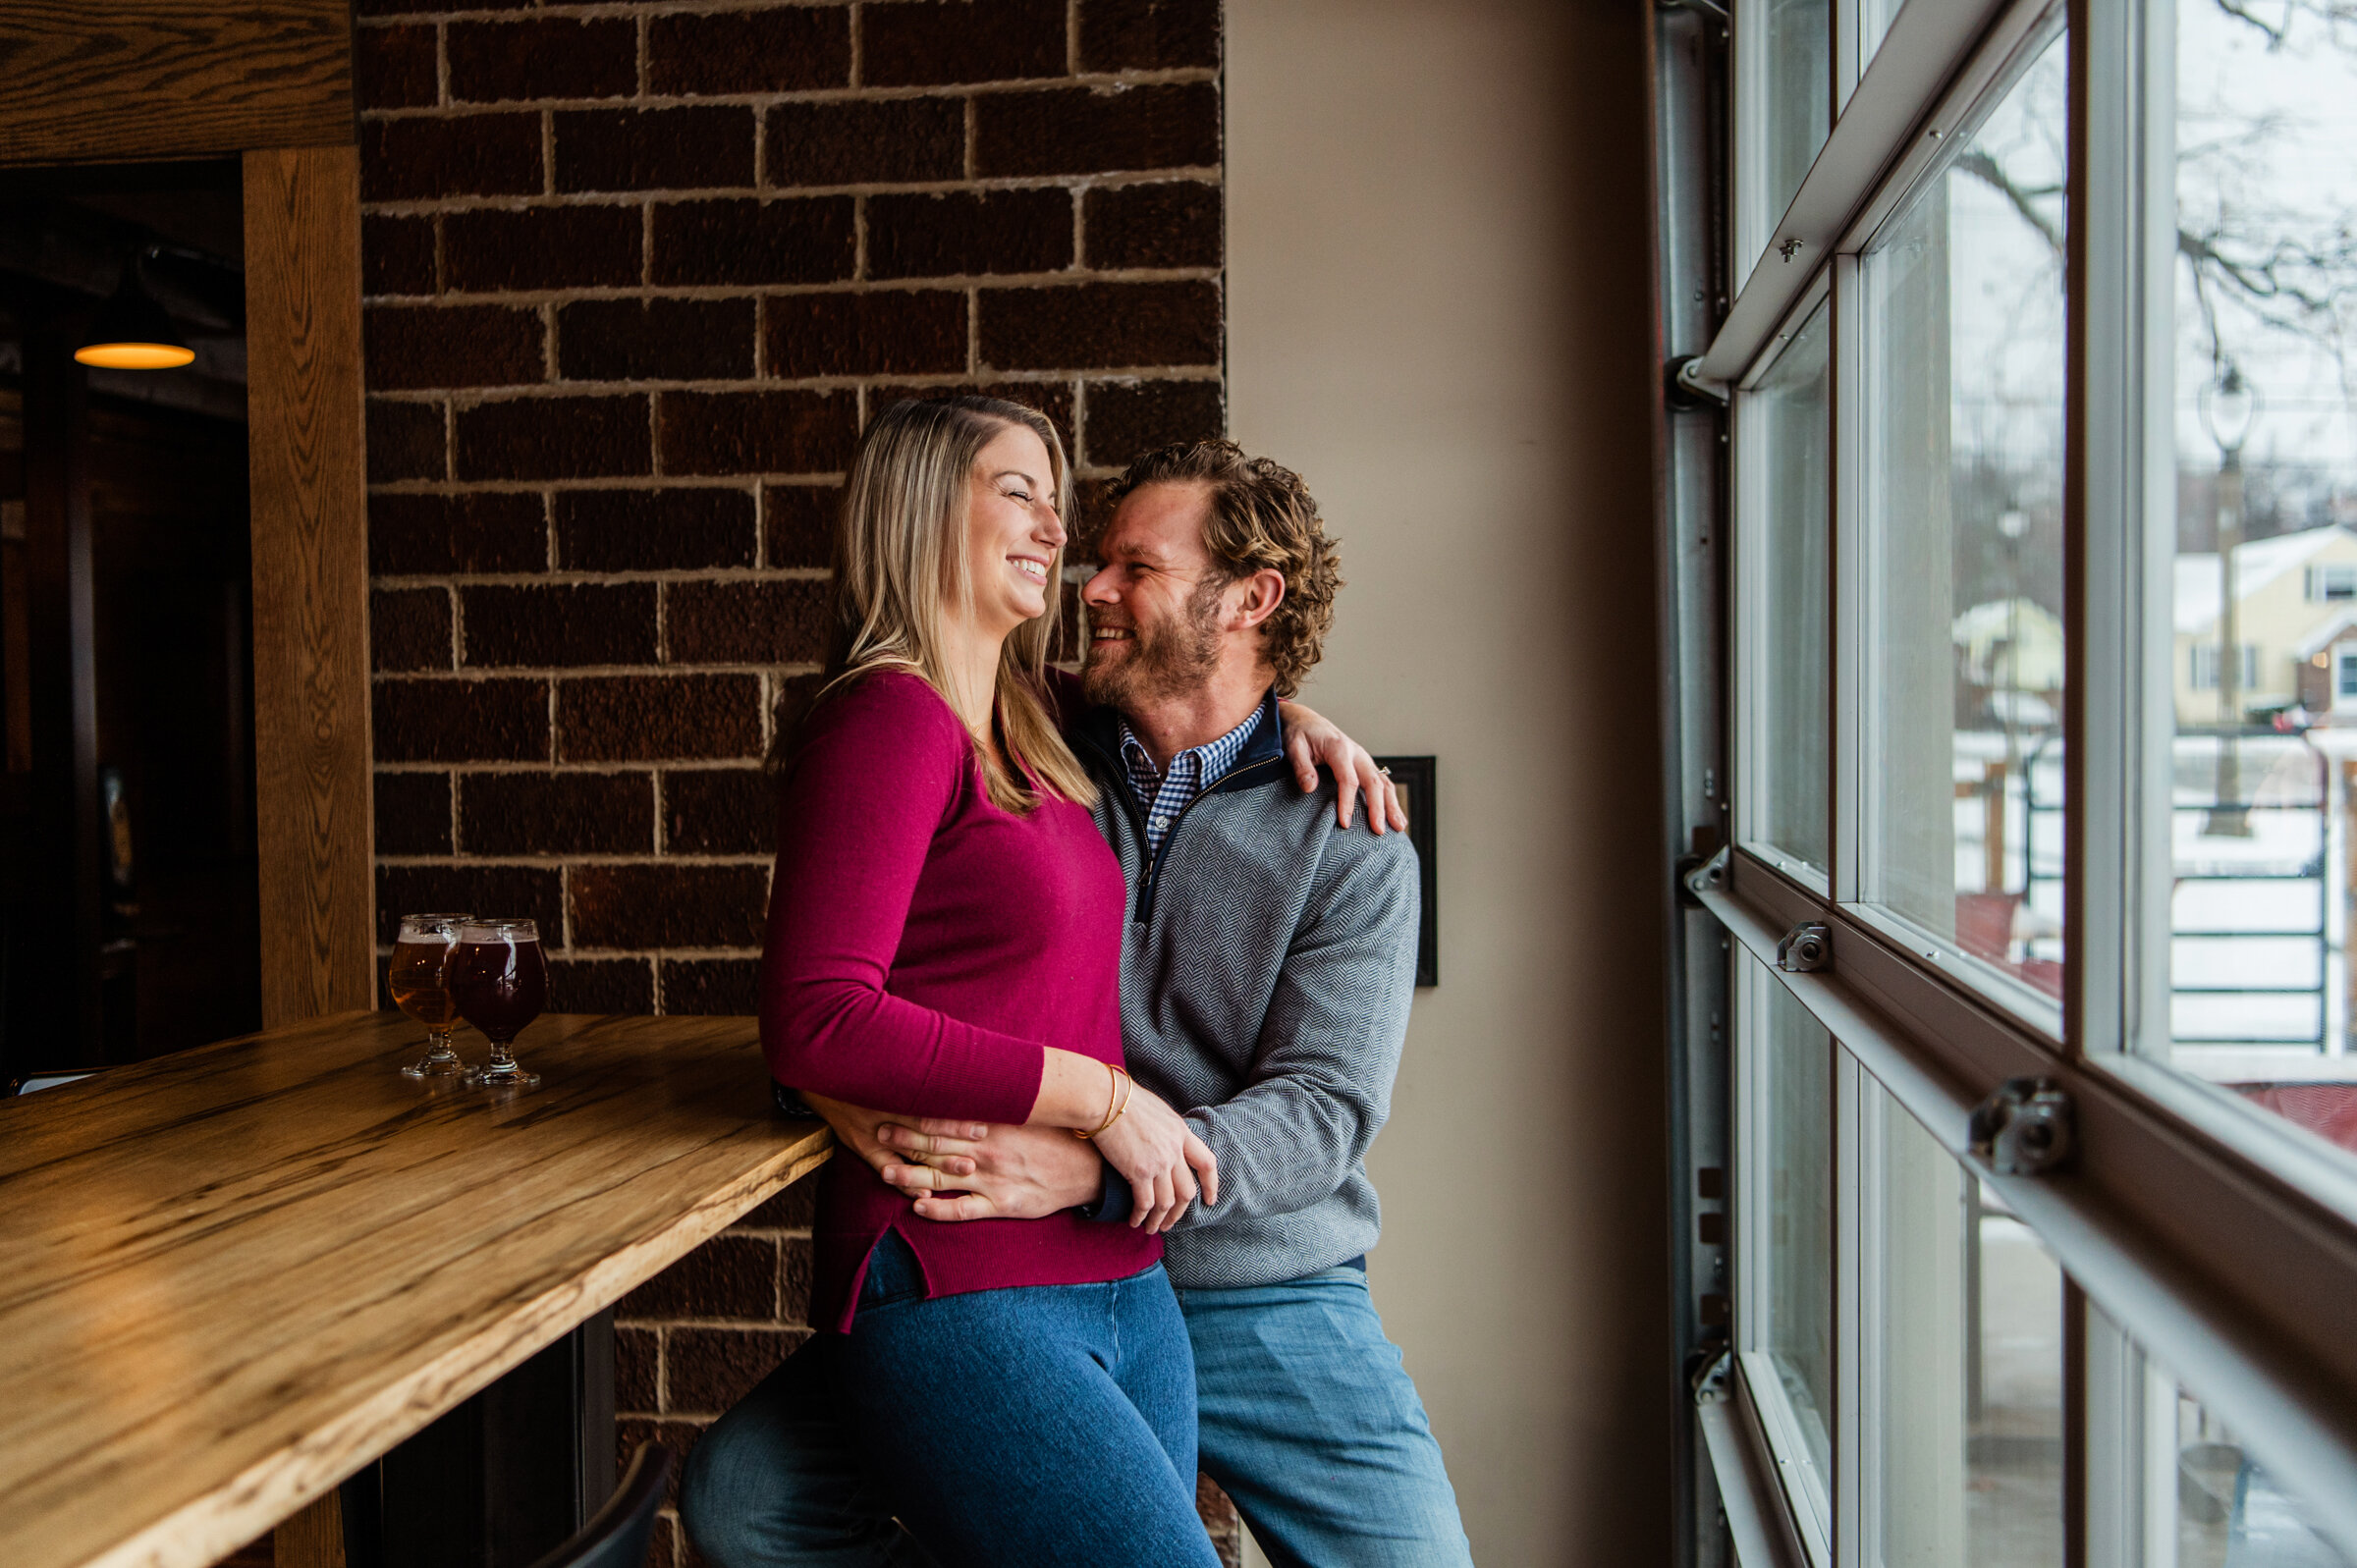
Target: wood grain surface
x=235, y=1276
x=119, y=81
x=310, y=582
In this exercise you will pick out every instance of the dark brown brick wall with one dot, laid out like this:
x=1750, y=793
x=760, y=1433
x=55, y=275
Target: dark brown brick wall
x=636, y=275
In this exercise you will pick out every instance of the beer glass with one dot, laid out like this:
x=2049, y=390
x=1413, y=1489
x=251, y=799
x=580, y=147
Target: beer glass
x=420, y=983
x=500, y=982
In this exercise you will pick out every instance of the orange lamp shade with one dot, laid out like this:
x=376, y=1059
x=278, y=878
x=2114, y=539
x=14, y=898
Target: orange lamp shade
x=135, y=355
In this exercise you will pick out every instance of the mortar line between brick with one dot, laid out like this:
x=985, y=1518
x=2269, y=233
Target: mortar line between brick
x=526, y=201
x=576, y=578
x=739, y=482
x=851, y=92
x=471, y=398
x=857, y=66
x=526, y=299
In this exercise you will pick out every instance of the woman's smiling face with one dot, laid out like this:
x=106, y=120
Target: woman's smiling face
x=1014, y=537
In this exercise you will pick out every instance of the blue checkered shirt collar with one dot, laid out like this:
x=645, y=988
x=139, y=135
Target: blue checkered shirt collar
x=1164, y=794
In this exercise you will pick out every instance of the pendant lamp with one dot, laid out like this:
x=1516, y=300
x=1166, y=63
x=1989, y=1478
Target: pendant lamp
x=133, y=332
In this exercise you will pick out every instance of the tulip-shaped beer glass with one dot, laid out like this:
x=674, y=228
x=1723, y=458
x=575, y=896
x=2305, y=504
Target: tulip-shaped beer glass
x=419, y=980
x=500, y=982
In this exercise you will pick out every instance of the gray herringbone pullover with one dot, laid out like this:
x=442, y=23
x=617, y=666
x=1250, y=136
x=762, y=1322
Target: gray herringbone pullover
x=1267, y=965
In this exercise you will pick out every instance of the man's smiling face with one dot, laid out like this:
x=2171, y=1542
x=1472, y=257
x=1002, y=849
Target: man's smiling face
x=1154, y=608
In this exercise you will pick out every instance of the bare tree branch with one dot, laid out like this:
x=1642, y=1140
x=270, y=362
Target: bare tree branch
x=1983, y=166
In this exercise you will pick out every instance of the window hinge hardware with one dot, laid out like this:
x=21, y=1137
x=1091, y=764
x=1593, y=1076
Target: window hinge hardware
x=1688, y=389
x=1696, y=877
x=1806, y=948
x=1710, y=1379
x=2026, y=1127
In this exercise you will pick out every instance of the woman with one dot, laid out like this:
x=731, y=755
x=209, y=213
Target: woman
x=944, y=940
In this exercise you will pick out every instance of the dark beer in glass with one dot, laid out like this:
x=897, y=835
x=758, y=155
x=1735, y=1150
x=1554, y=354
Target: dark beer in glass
x=499, y=983
x=420, y=983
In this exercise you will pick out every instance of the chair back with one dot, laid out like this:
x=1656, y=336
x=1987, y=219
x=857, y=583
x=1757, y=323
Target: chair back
x=617, y=1536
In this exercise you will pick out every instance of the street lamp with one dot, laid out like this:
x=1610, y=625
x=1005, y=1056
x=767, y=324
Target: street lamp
x=2229, y=407
x=2013, y=525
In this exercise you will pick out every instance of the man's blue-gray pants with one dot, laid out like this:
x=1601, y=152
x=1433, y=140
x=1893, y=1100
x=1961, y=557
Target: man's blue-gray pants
x=1308, y=1420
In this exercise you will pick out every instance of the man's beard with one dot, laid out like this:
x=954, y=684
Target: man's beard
x=1173, y=659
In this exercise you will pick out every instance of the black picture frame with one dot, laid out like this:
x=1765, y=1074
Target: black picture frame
x=1415, y=779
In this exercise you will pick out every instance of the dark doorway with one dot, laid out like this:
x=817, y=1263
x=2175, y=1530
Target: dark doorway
x=129, y=921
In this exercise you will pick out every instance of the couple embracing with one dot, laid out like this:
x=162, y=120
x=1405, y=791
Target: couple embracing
x=1000, y=891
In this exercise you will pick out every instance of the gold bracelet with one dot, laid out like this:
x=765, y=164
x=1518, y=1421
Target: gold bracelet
x=1117, y=1101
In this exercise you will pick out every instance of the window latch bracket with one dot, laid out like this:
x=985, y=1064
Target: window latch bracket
x=1697, y=876
x=1806, y=948
x=2026, y=1127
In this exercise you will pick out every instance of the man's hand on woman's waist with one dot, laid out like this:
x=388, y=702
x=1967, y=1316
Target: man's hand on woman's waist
x=963, y=1171
x=968, y=1169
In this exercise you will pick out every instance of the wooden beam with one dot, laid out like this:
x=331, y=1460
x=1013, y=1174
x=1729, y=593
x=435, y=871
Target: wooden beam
x=310, y=581
x=114, y=81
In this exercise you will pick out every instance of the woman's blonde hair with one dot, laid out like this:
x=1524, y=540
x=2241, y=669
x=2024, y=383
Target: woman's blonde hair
x=901, y=559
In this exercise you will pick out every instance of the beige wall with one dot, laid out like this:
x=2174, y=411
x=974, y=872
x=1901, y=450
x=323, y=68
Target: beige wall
x=1437, y=231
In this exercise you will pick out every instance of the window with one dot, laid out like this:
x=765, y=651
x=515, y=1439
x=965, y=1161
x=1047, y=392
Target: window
x=2252, y=377
x=1963, y=1365
x=1962, y=460
x=1785, y=1198
x=2034, y=511
x=2336, y=581
x=2204, y=1492
x=1787, y=448
x=1785, y=54
x=2205, y=668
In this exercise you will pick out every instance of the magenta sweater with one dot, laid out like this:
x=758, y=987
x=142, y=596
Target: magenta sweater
x=924, y=948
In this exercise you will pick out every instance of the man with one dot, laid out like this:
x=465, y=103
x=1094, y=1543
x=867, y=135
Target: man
x=1267, y=967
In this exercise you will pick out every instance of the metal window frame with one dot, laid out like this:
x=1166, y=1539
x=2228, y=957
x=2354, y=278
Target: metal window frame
x=2199, y=1252
x=2195, y=1229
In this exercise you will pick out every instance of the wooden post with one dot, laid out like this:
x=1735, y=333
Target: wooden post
x=311, y=1538
x=310, y=581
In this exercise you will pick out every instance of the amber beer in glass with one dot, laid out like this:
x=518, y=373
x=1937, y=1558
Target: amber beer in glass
x=420, y=983
x=499, y=983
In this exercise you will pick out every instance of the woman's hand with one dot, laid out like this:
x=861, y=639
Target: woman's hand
x=1153, y=1146
x=1310, y=738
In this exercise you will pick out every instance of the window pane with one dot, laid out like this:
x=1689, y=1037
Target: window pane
x=2218, y=1504
x=1873, y=20
x=1789, y=1200
x=2266, y=459
x=1964, y=1362
x=1963, y=431
x=2229, y=1509
x=1800, y=88
x=1791, y=504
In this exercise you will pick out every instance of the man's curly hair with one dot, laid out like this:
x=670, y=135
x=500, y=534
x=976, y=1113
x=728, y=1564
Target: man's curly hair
x=1263, y=518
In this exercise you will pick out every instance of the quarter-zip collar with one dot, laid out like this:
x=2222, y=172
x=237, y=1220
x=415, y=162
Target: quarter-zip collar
x=1099, y=732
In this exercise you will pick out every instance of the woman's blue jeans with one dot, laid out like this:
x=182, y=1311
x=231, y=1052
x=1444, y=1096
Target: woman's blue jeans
x=1030, y=1426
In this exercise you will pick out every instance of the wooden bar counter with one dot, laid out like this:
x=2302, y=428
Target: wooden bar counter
x=230, y=1277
